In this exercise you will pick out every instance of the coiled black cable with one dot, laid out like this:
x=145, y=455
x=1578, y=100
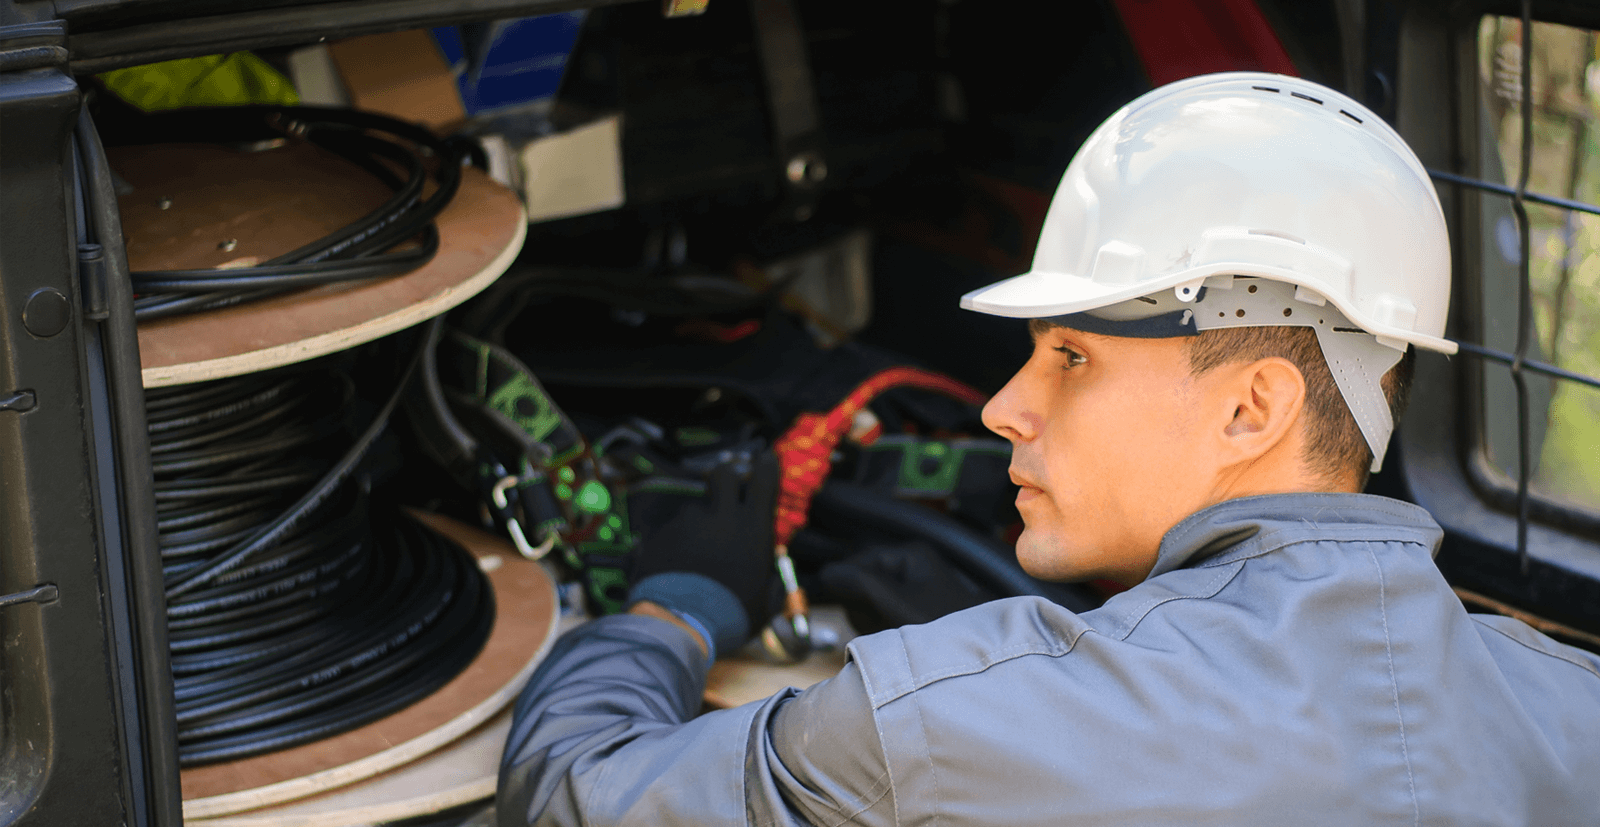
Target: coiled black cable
x=297, y=607
x=362, y=250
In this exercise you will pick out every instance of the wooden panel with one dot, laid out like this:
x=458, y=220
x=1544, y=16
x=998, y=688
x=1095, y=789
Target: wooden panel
x=465, y=771
x=230, y=208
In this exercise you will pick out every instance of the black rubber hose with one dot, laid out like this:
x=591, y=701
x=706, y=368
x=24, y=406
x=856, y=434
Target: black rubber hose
x=990, y=562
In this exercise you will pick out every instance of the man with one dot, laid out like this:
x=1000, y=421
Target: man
x=1224, y=289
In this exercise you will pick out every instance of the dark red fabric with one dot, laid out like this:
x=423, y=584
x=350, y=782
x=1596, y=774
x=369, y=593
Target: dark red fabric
x=1176, y=39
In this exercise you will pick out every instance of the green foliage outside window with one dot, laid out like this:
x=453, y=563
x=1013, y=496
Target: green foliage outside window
x=1565, y=245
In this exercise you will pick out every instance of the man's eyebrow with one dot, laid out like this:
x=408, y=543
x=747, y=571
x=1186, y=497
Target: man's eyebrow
x=1040, y=327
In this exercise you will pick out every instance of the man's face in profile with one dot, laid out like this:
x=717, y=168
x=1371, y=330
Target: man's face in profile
x=1109, y=449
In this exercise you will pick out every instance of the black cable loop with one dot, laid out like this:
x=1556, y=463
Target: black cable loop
x=297, y=609
x=331, y=550
x=306, y=651
x=237, y=621
x=211, y=536
x=327, y=661
x=362, y=250
x=307, y=503
x=180, y=407
x=330, y=686
x=239, y=484
x=195, y=515
x=194, y=461
x=200, y=432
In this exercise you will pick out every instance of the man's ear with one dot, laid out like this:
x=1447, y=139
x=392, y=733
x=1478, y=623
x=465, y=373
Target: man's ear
x=1267, y=397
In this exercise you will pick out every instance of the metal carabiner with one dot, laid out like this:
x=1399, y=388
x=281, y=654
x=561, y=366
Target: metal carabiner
x=794, y=642
x=513, y=527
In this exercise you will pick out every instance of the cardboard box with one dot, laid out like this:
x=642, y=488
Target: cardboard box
x=401, y=74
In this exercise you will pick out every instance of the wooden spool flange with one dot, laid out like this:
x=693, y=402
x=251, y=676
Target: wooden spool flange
x=192, y=206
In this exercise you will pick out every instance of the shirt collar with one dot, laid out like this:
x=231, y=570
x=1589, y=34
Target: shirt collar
x=1268, y=518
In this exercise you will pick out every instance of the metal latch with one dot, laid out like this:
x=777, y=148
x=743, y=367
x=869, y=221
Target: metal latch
x=46, y=593
x=19, y=401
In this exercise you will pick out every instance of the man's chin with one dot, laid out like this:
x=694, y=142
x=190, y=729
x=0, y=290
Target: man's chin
x=1048, y=557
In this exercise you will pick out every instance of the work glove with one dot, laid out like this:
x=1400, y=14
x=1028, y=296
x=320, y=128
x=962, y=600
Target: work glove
x=704, y=546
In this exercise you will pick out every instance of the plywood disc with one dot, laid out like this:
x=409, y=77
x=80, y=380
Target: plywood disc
x=201, y=205
x=463, y=772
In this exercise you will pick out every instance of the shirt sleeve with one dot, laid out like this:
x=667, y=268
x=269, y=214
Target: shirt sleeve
x=605, y=733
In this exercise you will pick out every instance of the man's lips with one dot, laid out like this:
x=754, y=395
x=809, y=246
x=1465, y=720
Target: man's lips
x=1026, y=490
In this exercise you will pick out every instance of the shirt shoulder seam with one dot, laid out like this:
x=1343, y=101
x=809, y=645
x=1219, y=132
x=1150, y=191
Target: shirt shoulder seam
x=1394, y=682
x=993, y=659
x=1238, y=554
x=1206, y=592
x=1587, y=667
x=937, y=809
x=917, y=683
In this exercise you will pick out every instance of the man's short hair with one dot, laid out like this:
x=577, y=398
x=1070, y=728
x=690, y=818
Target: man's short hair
x=1334, y=444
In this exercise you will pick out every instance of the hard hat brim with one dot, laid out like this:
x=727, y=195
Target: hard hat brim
x=1042, y=294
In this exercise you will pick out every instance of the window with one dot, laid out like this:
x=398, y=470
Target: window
x=1564, y=264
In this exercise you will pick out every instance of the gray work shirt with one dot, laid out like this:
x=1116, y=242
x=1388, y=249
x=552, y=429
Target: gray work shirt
x=1292, y=659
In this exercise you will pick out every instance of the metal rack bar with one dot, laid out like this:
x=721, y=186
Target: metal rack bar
x=1524, y=290
x=198, y=34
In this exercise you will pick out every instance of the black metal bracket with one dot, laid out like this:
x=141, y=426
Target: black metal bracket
x=87, y=690
x=791, y=104
x=164, y=31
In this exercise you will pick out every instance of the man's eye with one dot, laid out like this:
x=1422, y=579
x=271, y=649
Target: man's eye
x=1074, y=358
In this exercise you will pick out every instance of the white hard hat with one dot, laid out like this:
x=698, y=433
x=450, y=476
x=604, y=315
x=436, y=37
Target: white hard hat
x=1249, y=174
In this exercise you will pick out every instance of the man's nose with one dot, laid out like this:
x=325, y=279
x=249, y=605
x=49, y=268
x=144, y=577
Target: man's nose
x=1007, y=414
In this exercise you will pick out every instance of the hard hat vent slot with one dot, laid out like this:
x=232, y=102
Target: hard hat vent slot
x=1279, y=234
x=1305, y=97
x=1265, y=88
x=1350, y=116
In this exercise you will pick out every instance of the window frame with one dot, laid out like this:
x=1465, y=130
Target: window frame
x=1421, y=69
x=1494, y=484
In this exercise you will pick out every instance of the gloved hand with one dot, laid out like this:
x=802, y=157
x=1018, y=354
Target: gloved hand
x=705, y=547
